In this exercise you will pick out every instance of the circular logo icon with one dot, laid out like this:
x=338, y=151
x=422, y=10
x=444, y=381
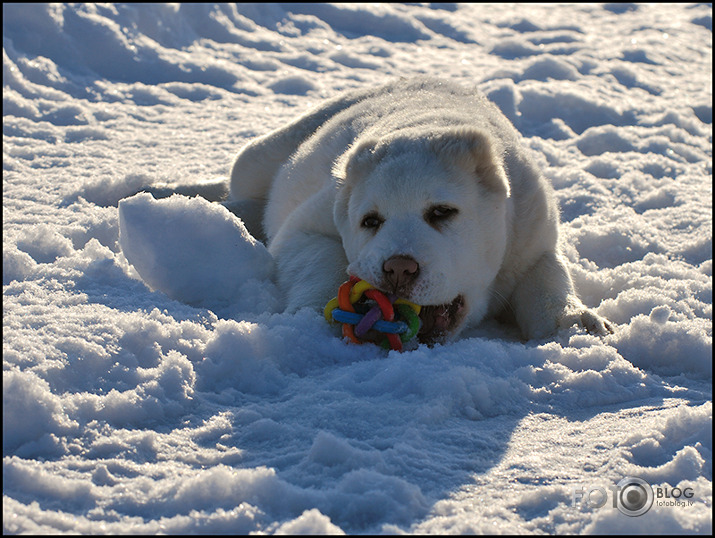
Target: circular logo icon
x=635, y=496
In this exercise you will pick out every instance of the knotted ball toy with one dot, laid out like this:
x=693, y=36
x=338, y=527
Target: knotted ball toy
x=367, y=313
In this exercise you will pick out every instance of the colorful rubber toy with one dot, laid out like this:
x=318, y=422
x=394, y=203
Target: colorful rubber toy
x=367, y=313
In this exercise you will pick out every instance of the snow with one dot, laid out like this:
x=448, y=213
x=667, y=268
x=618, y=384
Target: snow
x=151, y=383
x=196, y=252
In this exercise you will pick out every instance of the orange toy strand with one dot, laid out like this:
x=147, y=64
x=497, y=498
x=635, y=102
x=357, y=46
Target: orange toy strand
x=344, y=304
x=344, y=297
x=349, y=332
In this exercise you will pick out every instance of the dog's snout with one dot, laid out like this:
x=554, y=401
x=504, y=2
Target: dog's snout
x=400, y=271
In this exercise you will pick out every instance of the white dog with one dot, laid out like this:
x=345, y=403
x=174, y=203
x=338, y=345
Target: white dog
x=423, y=189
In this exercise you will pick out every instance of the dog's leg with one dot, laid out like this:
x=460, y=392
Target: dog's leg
x=544, y=301
x=310, y=268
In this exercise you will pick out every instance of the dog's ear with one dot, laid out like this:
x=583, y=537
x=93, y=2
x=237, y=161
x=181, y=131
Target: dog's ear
x=359, y=160
x=472, y=150
x=355, y=163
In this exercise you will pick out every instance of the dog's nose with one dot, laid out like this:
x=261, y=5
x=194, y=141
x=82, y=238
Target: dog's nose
x=400, y=271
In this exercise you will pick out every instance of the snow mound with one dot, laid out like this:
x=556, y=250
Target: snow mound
x=196, y=252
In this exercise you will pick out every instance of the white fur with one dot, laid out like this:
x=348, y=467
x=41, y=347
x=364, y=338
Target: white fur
x=397, y=151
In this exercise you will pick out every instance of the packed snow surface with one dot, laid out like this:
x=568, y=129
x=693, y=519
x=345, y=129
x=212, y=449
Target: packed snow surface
x=170, y=395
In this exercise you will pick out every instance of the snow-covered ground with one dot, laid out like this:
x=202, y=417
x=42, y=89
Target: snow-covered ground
x=128, y=411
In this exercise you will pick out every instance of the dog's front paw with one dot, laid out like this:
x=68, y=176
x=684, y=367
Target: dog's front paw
x=589, y=320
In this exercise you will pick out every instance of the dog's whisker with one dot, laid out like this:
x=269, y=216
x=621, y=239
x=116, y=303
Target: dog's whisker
x=506, y=305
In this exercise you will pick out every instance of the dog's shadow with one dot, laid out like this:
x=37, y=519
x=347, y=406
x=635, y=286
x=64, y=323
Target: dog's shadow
x=357, y=459
x=368, y=438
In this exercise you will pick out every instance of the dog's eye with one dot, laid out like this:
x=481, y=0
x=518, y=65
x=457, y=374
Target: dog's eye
x=371, y=221
x=438, y=214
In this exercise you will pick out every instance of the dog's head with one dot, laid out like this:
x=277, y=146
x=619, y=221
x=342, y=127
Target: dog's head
x=423, y=215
